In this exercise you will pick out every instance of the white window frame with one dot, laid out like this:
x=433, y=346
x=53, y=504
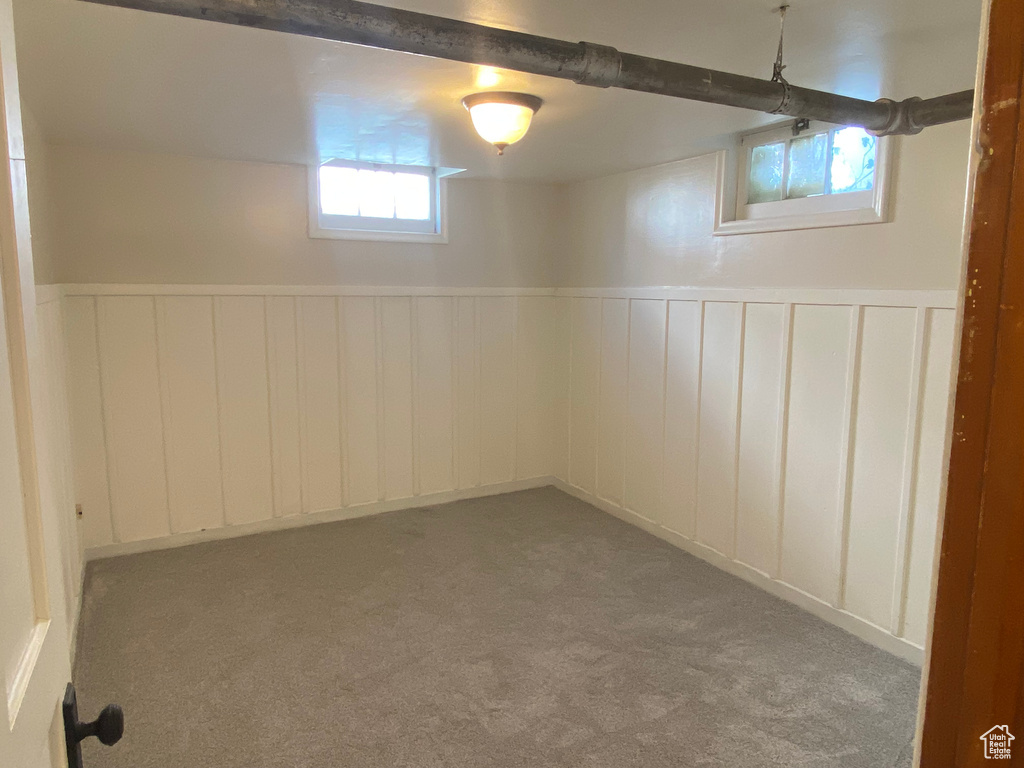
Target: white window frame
x=738, y=217
x=334, y=227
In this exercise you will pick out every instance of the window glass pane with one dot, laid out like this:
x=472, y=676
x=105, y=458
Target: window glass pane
x=807, y=166
x=377, y=194
x=853, y=160
x=765, y=183
x=338, y=192
x=412, y=196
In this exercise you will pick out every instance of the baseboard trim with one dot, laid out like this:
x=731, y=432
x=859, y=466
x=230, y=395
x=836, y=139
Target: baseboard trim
x=313, y=518
x=75, y=620
x=845, y=620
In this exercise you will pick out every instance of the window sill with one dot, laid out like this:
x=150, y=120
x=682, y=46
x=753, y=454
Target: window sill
x=803, y=221
x=807, y=213
x=319, y=233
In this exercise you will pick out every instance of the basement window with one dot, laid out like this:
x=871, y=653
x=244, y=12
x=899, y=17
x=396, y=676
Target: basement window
x=374, y=201
x=805, y=175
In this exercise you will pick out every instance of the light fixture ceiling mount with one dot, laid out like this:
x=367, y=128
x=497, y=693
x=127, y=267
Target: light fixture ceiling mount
x=502, y=117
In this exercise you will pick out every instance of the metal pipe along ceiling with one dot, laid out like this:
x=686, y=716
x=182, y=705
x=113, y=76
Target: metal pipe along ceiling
x=350, y=21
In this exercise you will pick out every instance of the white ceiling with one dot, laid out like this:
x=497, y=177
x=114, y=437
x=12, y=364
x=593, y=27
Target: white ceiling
x=125, y=79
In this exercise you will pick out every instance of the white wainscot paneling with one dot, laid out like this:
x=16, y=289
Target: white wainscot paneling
x=816, y=448
x=585, y=372
x=53, y=429
x=762, y=429
x=467, y=377
x=719, y=413
x=243, y=394
x=795, y=439
x=930, y=473
x=319, y=403
x=541, y=375
x=435, y=394
x=362, y=399
x=396, y=330
x=130, y=375
x=613, y=386
x=283, y=385
x=85, y=401
x=497, y=390
x=188, y=393
x=798, y=440
x=645, y=418
x=557, y=402
x=199, y=409
x=885, y=411
x=682, y=415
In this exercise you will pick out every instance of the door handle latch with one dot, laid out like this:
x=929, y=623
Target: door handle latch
x=108, y=727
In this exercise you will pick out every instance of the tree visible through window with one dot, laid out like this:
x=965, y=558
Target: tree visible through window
x=829, y=162
x=804, y=175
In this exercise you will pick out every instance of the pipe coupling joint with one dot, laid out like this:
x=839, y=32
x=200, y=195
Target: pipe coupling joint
x=901, y=118
x=601, y=65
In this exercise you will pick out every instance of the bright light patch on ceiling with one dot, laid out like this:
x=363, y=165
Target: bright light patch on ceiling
x=487, y=77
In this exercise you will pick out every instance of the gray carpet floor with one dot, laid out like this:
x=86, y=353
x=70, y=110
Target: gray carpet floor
x=528, y=629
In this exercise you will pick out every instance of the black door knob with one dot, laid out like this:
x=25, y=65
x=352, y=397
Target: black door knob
x=108, y=727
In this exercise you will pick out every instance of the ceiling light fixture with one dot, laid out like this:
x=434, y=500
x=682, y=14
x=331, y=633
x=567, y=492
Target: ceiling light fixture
x=502, y=117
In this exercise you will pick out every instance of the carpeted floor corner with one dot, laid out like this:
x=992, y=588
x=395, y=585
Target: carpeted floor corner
x=528, y=629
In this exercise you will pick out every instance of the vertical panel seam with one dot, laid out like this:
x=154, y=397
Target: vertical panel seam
x=453, y=403
x=597, y=410
x=299, y=407
x=695, y=470
x=342, y=350
x=214, y=317
x=378, y=351
x=911, y=456
x=273, y=390
x=414, y=390
x=738, y=402
x=476, y=390
x=163, y=394
x=515, y=373
x=842, y=542
x=661, y=511
x=627, y=413
x=300, y=396
x=270, y=404
x=414, y=386
x=570, y=400
x=782, y=433
x=115, y=534
x=458, y=384
x=624, y=432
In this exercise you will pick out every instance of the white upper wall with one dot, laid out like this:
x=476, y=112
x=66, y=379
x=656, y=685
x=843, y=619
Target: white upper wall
x=123, y=217
x=131, y=103
x=654, y=227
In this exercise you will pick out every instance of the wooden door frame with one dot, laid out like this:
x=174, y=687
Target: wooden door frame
x=976, y=655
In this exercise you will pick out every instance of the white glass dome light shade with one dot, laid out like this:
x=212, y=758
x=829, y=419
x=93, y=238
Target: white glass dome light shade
x=502, y=117
x=501, y=124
